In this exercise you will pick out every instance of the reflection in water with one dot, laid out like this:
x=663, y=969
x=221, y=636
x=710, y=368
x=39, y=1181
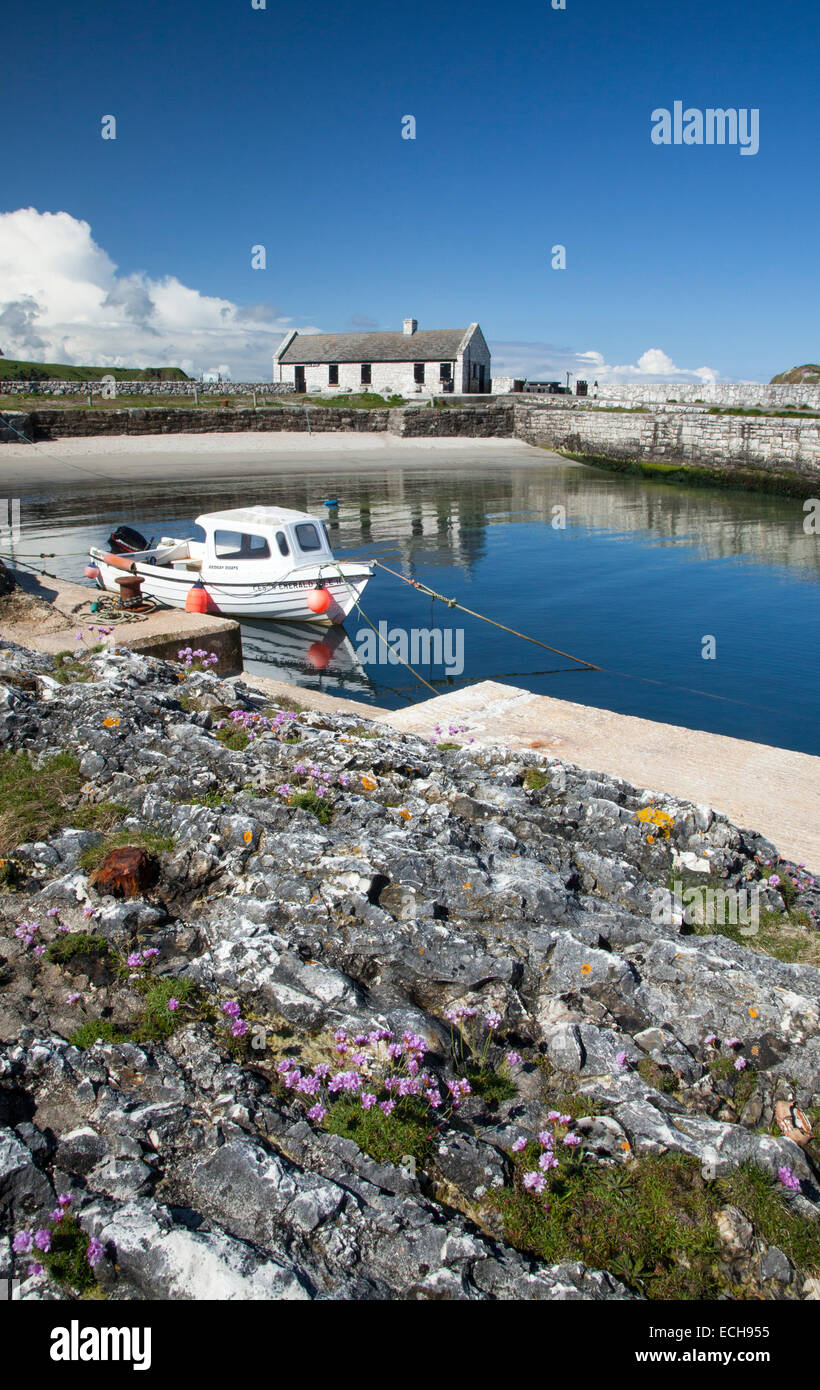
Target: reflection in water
x=305, y=654
x=639, y=577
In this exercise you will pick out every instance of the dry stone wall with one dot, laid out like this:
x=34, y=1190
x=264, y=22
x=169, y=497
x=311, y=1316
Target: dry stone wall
x=743, y=394
x=721, y=442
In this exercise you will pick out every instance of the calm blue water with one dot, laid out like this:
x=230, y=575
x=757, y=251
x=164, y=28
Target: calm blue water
x=641, y=574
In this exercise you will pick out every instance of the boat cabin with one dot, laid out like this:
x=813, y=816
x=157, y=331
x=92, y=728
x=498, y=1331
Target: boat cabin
x=277, y=539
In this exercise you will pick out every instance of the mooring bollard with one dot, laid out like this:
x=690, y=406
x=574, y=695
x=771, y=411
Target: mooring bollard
x=130, y=586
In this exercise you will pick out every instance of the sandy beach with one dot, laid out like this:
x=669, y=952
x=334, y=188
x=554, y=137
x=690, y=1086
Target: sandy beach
x=180, y=456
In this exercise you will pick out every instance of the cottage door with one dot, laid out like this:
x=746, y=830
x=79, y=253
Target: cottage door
x=299, y=378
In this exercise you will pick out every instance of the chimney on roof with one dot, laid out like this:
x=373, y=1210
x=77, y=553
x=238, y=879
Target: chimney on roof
x=410, y=326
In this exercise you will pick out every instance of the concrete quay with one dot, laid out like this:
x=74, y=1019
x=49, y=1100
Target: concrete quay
x=774, y=791
x=45, y=614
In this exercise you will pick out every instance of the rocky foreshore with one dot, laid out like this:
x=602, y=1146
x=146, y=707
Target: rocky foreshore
x=295, y=1007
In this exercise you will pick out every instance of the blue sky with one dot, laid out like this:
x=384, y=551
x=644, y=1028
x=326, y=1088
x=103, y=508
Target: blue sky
x=282, y=127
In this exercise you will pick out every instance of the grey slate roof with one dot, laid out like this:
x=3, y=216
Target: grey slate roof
x=425, y=345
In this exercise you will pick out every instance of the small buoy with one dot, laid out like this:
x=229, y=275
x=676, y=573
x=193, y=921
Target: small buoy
x=196, y=600
x=319, y=654
x=318, y=600
x=92, y=572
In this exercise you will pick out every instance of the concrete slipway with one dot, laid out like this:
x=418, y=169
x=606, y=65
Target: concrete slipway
x=772, y=790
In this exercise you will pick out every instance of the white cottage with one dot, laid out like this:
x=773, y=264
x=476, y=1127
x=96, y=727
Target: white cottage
x=433, y=360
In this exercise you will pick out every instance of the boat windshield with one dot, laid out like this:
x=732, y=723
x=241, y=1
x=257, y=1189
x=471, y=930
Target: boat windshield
x=240, y=545
x=308, y=536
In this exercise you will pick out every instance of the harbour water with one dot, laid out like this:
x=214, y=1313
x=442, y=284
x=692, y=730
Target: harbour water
x=632, y=576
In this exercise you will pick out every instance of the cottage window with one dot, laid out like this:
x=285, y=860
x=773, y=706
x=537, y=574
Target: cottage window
x=445, y=371
x=366, y=375
x=418, y=373
x=333, y=374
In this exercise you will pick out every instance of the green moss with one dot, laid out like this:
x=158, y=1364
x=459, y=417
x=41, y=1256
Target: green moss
x=741, y=1084
x=63, y=949
x=535, y=779
x=155, y=1022
x=661, y=1078
x=752, y=480
x=158, y=1021
x=38, y=802
x=93, y=1028
x=387, y=1138
x=493, y=1086
x=233, y=738
x=91, y=858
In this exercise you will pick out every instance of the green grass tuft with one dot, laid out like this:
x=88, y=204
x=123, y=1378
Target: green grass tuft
x=63, y=949
x=320, y=806
x=91, y=858
x=651, y=1222
x=386, y=1138
x=67, y=1260
x=535, y=779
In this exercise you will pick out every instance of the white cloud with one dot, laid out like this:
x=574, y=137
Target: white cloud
x=61, y=300
x=544, y=362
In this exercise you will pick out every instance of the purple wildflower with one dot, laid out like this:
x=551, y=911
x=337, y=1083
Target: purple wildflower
x=94, y=1252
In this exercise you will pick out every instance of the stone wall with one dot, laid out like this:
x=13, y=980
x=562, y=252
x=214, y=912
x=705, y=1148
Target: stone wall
x=144, y=388
x=774, y=444
x=733, y=394
x=63, y=424
x=13, y=424
x=474, y=422
x=721, y=442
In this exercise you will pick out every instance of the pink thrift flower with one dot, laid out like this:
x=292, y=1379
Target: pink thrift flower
x=534, y=1182
x=94, y=1252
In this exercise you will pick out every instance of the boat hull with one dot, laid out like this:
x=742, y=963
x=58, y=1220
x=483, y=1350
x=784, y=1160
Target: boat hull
x=284, y=599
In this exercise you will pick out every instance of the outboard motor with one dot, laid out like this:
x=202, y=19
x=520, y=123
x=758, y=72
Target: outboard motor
x=126, y=541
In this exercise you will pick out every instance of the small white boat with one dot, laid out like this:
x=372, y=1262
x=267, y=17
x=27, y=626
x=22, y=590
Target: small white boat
x=255, y=562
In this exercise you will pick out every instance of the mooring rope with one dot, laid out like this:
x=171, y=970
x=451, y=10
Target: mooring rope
x=583, y=664
x=453, y=603
x=335, y=564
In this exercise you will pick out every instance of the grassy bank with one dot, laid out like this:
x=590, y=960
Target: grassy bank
x=750, y=479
